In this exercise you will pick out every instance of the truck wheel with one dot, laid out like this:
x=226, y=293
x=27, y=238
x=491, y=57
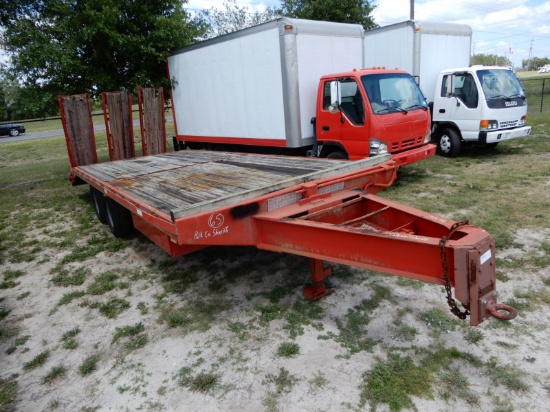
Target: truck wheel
x=99, y=204
x=337, y=155
x=449, y=143
x=119, y=219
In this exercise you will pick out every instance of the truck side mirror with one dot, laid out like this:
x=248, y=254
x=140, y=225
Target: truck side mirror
x=335, y=97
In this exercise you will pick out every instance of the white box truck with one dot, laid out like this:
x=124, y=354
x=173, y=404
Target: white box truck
x=296, y=86
x=476, y=105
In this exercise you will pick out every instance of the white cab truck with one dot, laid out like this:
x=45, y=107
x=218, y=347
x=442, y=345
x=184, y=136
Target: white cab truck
x=470, y=105
x=294, y=86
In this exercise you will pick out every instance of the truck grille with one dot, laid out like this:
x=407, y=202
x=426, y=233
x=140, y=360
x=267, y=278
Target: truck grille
x=509, y=123
x=406, y=144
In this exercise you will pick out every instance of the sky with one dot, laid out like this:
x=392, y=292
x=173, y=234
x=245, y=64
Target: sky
x=516, y=29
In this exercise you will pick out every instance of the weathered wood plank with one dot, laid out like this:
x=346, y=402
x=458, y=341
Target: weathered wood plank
x=120, y=125
x=79, y=129
x=153, y=132
x=188, y=182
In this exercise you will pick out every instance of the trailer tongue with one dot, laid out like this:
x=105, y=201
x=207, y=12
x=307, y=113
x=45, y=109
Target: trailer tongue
x=319, y=208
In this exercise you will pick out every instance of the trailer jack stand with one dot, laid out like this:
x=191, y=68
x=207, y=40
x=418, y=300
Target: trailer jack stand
x=318, y=273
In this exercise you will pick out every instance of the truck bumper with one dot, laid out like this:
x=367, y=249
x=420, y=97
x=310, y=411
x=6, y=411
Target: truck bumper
x=414, y=155
x=502, y=135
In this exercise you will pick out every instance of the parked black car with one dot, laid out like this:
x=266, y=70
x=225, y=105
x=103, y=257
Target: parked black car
x=12, y=129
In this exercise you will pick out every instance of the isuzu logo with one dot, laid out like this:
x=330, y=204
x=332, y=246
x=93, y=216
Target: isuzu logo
x=512, y=103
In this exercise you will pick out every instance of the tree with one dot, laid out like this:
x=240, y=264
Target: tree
x=90, y=46
x=234, y=18
x=535, y=63
x=343, y=11
x=491, y=60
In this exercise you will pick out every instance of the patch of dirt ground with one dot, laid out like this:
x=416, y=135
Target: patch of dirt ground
x=227, y=329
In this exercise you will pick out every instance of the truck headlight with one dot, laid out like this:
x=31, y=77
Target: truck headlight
x=377, y=147
x=427, y=138
x=488, y=125
x=523, y=120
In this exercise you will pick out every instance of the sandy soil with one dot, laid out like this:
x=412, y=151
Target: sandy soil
x=240, y=349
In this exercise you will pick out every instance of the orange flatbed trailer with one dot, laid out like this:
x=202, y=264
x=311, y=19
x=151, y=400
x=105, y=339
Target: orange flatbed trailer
x=326, y=210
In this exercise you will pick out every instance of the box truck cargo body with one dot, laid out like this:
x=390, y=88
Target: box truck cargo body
x=260, y=83
x=470, y=104
x=260, y=87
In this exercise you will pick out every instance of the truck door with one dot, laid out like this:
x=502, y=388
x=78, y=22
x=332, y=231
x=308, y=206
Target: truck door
x=347, y=125
x=459, y=103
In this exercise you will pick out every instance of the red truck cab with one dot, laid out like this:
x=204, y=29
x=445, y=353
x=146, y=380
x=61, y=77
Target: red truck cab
x=366, y=112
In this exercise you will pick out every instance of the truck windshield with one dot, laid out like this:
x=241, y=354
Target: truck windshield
x=500, y=84
x=393, y=92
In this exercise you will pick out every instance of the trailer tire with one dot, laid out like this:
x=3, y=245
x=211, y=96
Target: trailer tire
x=119, y=219
x=449, y=143
x=99, y=202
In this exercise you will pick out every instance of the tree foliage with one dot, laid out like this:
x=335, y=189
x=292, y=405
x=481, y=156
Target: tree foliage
x=535, y=63
x=491, y=60
x=234, y=18
x=90, y=46
x=343, y=11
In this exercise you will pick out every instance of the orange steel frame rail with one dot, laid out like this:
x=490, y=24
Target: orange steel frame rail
x=338, y=220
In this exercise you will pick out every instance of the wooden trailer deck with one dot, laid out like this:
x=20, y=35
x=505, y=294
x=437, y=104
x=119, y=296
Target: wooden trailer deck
x=183, y=183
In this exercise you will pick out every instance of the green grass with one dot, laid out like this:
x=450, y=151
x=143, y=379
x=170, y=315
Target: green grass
x=195, y=315
x=16, y=343
x=112, y=308
x=303, y=314
x=68, y=340
x=283, y=381
x=44, y=158
x=502, y=191
x=71, y=278
x=89, y=365
x=9, y=276
x=201, y=382
x=288, y=350
x=454, y=385
x=8, y=393
x=37, y=361
x=57, y=372
x=102, y=283
x=125, y=331
x=351, y=334
x=133, y=335
x=509, y=376
x=67, y=298
x=394, y=381
x=439, y=320
x=447, y=186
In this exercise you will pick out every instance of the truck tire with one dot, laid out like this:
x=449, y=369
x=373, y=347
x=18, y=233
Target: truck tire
x=100, y=207
x=337, y=155
x=449, y=143
x=119, y=219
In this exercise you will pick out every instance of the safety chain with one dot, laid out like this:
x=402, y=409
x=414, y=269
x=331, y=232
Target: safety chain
x=452, y=303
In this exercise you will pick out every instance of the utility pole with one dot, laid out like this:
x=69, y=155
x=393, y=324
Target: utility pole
x=530, y=55
x=412, y=10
